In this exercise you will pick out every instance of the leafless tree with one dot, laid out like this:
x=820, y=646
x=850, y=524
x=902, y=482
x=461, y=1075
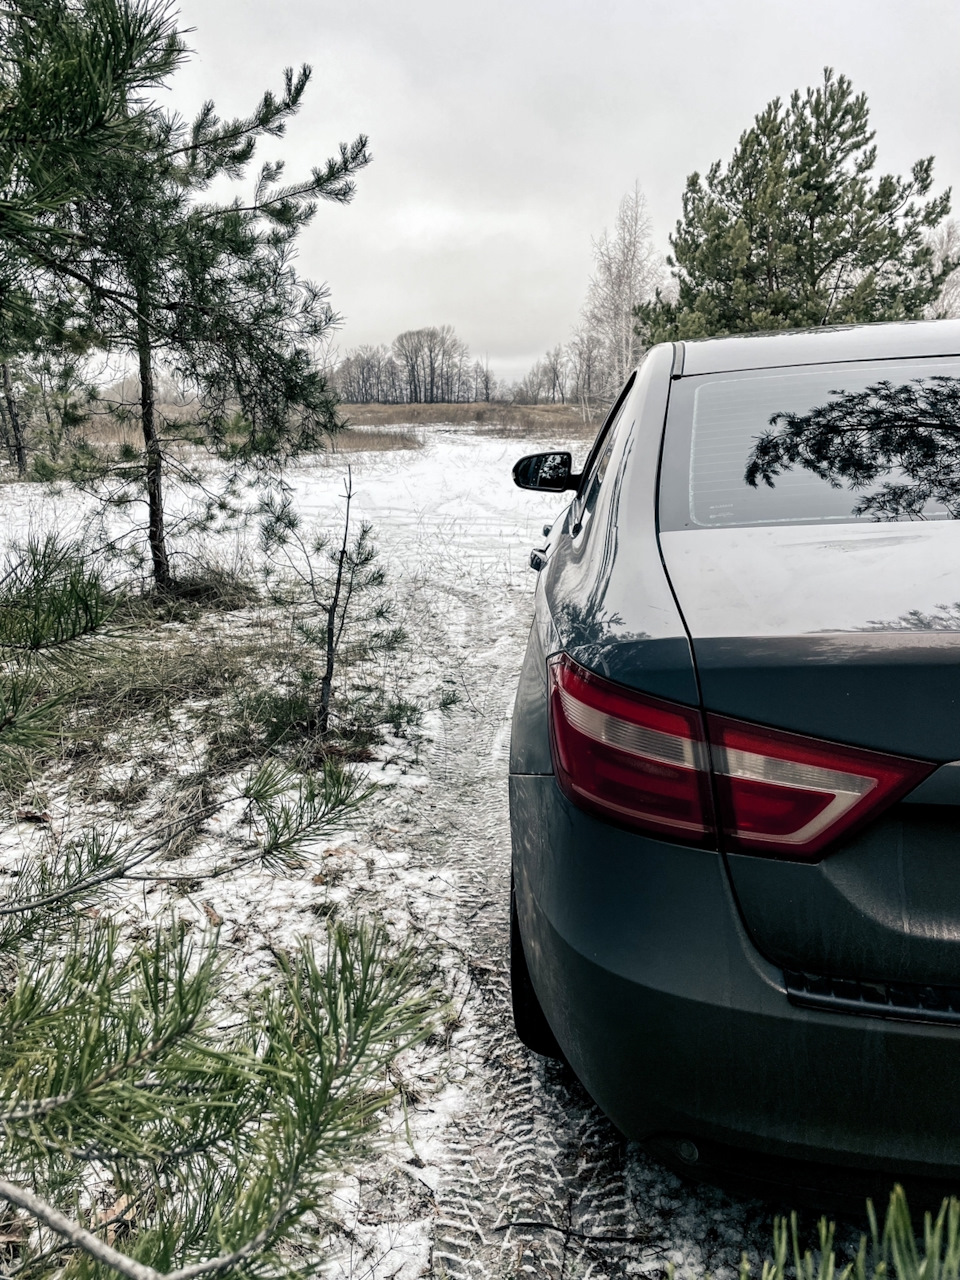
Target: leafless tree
x=604, y=347
x=368, y=375
x=548, y=380
x=945, y=243
x=434, y=365
x=588, y=376
x=556, y=368
x=484, y=383
x=533, y=387
x=423, y=366
x=627, y=270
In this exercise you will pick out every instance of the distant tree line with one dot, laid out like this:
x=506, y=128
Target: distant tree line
x=422, y=366
x=434, y=366
x=795, y=231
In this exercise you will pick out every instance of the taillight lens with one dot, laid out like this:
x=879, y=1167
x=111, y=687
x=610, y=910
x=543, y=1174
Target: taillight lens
x=788, y=794
x=638, y=760
x=645, y=763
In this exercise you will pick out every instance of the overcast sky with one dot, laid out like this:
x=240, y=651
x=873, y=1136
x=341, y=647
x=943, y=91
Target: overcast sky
x=504, y=134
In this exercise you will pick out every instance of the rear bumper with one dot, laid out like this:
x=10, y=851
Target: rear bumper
x=679, y=1028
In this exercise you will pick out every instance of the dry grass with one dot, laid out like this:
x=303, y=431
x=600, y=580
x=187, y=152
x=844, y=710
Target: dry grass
x=103, y=430
x=105, y=433
x=511, y=421
x=381, y=428
x=171, y=683
x=373, y=439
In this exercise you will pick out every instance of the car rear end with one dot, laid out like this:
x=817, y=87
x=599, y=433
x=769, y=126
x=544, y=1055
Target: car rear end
x=741, y=906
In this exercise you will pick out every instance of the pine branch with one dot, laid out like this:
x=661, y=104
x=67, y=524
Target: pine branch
x=40, y=1107
x=298, y=1090
x=79, y=1238
x=117, y=871
x=74, y=1234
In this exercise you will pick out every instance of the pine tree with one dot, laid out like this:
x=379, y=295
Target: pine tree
x=796, y=232
x=70, y=79
x=71, y=72
x=206, y=291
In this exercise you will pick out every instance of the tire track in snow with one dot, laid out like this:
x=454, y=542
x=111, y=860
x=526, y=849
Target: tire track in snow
x=536, y=1180
x=533, y=1180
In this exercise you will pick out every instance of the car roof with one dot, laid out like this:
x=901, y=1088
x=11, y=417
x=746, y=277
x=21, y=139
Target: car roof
x=829, y=345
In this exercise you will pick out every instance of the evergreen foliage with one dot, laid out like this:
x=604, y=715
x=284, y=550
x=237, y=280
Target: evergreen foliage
x=50, y=595
x=210, y=1145
x=50, y=599
x=208, y=290
x=338, y=613
x=795, y=231
x=72, y=73
x=72, y=76
x=133, y=257
x=156, y=1119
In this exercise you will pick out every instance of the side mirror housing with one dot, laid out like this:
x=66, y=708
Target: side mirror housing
x=546, y=471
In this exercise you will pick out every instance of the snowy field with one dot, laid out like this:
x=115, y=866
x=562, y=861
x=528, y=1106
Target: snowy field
x=496, y=1164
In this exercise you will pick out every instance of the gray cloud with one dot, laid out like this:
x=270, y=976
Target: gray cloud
x=505, y=134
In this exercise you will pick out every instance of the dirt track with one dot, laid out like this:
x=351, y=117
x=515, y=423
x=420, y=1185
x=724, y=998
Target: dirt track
x=514, y=1170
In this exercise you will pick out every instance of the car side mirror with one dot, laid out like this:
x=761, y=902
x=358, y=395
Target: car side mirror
x=550, y=471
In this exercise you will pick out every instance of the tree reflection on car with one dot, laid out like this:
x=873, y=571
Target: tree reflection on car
x=859, y=439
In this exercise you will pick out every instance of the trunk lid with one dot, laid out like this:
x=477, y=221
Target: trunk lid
x=849, y=633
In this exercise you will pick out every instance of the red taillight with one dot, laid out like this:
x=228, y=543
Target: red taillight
x=644, y=763
x=638, y=760
x=787, y=794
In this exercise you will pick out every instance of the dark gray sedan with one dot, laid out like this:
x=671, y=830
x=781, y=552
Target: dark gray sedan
x=735, y=763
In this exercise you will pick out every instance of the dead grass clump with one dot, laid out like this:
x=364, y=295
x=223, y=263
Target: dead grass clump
x=256, y=721
x=538, y=421
x=149, y=675
x=214, y=587
x=208, y=587
x=364, y=439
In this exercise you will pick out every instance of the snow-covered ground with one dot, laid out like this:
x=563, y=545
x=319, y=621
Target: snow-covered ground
x=497, y=1164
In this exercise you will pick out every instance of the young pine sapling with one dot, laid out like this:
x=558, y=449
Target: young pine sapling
x=344, y=605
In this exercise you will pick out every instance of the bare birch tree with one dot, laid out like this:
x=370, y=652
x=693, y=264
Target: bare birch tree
x=587, y=369
x=945, y=242
x=627, y=270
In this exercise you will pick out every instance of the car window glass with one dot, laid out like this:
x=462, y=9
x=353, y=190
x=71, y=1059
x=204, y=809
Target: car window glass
x=598, y=458
x=875, y=440
x=595, y=480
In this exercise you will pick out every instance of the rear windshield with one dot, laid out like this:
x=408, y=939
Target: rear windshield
x=814, y=445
